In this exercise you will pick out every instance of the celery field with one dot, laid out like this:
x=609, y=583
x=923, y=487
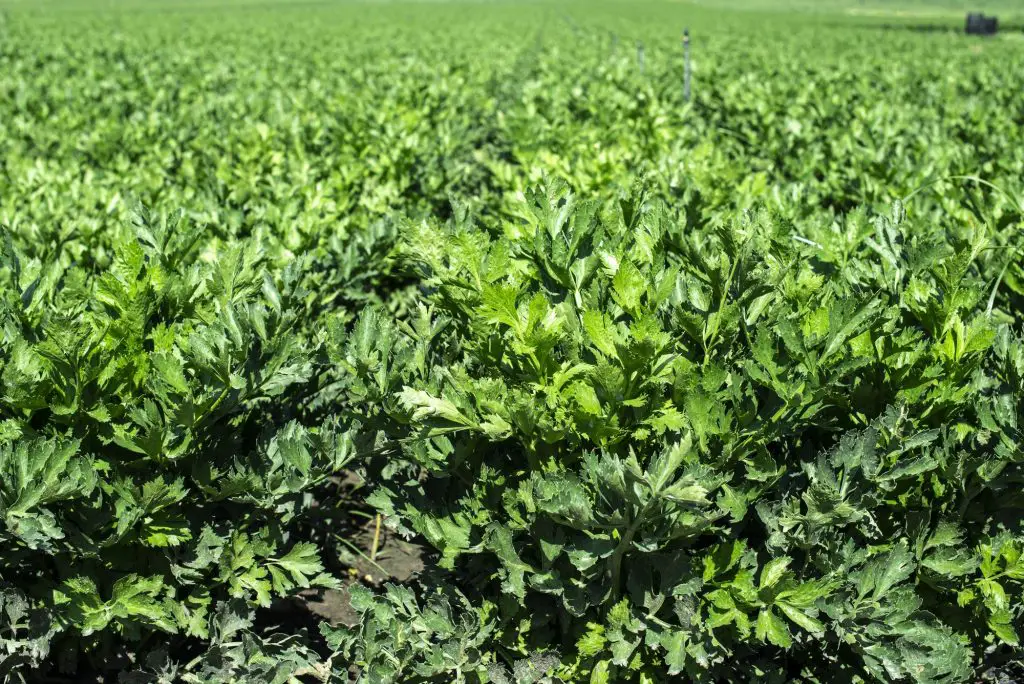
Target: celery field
x=451, y=341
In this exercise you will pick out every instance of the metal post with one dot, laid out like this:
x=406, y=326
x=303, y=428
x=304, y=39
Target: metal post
x=686, y=64
x=640, y=56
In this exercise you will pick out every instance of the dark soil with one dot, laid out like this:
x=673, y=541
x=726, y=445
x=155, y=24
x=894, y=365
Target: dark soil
x=396, y=561
x=346, y=525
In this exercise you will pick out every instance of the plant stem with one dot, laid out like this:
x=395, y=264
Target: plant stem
x=624, y=544
x=376, y=539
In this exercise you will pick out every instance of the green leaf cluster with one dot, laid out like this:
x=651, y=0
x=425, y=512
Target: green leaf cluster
x=156, y=457
x=707, y=453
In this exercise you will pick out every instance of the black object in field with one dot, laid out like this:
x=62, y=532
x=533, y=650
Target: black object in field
x=980, y=25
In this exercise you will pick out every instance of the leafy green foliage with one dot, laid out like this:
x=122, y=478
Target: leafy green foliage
x=398, y=638
x=146, y=477
x=718, y=390
x=708, y=452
